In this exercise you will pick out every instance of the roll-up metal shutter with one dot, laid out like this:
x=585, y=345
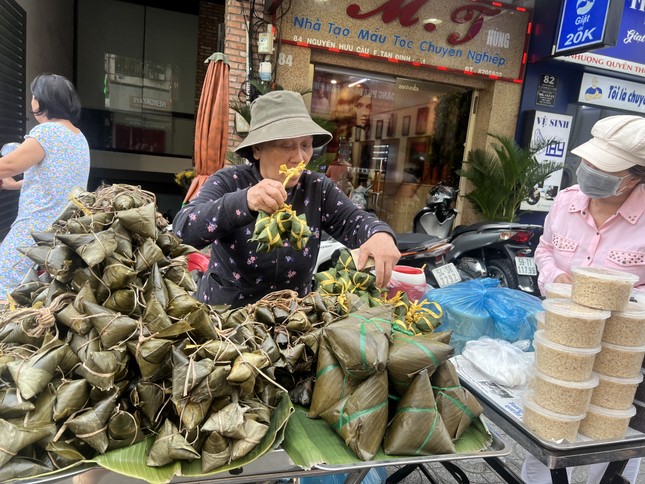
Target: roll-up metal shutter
x=13, y=39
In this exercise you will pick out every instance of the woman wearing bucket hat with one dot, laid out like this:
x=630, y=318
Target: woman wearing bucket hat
x=224, y=213
x=599, y=222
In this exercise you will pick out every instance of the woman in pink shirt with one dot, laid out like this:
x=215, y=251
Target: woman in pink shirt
x=599, y=222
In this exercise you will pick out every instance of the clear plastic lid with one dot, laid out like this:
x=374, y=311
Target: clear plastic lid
x=562, y=289
x=567, y=308
x=605, y=274
x=626, y=349
x=540, y=316
x=634, y=310
x=541, y=338
x=621, y=381
x=527, y=401
x=578, y=385
x=610, y=412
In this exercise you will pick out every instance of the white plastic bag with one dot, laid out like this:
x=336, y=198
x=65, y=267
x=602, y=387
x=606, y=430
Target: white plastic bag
x=503, y=362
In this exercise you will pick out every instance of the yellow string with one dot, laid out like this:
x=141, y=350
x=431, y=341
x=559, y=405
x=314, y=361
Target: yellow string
x=291, y=172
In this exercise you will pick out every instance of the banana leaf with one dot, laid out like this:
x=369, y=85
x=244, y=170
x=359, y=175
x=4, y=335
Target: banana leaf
x=311, y=442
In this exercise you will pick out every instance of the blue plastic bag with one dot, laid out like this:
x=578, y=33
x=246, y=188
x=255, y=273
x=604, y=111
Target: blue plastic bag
x=481, y=307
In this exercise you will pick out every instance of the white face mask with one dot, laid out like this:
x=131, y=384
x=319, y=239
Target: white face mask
x=596, y=184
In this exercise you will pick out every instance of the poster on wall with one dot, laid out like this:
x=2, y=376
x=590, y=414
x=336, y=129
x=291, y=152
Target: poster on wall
x=612, y=93
x=548, y=126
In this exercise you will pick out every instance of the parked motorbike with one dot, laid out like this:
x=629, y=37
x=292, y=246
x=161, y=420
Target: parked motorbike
x=417, y=250
x=503, y=250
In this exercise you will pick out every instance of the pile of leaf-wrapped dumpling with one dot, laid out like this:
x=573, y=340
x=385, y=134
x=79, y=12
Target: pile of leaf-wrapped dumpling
x=105, y=346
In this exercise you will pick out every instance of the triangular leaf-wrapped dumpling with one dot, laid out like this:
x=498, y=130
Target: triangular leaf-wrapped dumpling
x=216, y=452
x=11, y=406
x=410, y=354
x=95, y=222
x=91, y=425
x=118, y=272
x=63, y=454
x=254, y=432
x=112, y=327
x=123, y=430
x=180, y=303
x=332, y=384
x=221, y=350
x=457, y=406
x=59, y=261
x=187, y=373
x=170, y=445
x=192, y=414
x=71, y=396
x=150, y=355
x=149, y=397
x=124, y=301
x=177, y=272
x=202, y=324
x=228, y=422
x=214, y=385
x=100, y=368
x=16, y=437
x=74, y=320
x=32, y=375
x=140, y=220
x=417, y=427
x=360, y=341
x=147, y=255
x=93, y=247
x=155, y=286
x=361, y=418
x=168, y=242
x=155, y=316
x=22, y=467
x=123, y=239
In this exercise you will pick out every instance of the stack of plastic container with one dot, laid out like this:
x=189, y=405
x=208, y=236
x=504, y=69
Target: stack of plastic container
x=588, y=358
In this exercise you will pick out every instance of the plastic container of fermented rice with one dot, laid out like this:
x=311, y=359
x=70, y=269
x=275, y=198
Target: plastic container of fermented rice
x=571, y=324
x=563, y=396
x=602, y=288
x=563, y=362
x=626, y=328
x=619, y=361
x=539, y=318
x=547, y=424
x=604, y=423
x=615, y=393
x=558, y=290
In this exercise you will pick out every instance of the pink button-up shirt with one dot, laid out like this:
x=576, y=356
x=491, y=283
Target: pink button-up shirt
x=572, y=239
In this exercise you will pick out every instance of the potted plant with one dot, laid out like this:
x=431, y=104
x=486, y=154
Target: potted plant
x=503, y=178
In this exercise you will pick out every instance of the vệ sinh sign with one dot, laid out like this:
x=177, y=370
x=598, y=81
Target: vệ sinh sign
x=468, y=37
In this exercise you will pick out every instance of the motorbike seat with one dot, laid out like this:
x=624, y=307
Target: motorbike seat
x=409, y=241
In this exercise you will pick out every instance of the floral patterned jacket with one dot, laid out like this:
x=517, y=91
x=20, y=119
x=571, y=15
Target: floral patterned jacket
x=238, y=274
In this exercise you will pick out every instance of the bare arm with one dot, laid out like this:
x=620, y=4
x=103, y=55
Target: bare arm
x=28, y=154
x=10, y=184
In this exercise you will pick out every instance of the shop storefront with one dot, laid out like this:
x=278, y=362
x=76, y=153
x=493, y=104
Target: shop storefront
x=572, y=92
x=409, y=89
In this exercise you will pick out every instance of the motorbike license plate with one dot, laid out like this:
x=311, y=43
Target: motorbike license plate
x=525, y=266
x=446, y=275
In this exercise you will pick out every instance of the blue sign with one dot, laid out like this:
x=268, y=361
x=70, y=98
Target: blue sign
x=582, y=24
x=631, y=37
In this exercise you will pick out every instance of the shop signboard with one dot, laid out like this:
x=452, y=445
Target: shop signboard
x=475, y=38
x=627, y=55
x=548, y=126
x=612, y=93
x=584, y=25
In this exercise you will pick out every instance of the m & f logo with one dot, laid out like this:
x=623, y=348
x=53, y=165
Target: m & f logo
x=584, y=6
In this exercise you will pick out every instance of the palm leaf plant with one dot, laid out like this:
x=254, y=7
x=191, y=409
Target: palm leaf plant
x=501, y=179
